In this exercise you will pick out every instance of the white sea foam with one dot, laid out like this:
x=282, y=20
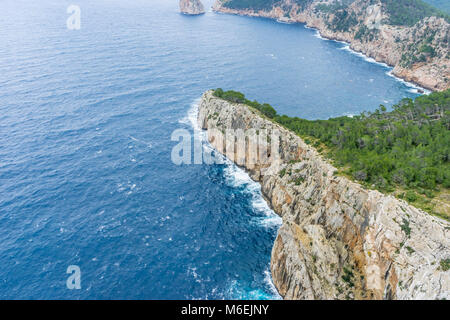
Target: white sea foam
x=346, y=47
x=238, y=177
x=191, y=116
x=413, y=88
x=237, y=290
x=191, y=120
x=284, y=22
x=271, y=55
x=148, y=144
x=318, y=35
x=234, y=175
x=269, y=219
x=269, y=282
x=193, y=272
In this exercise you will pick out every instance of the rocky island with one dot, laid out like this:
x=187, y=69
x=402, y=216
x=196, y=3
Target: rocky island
x=338, y=240
x=191, y=7
x=413, y=38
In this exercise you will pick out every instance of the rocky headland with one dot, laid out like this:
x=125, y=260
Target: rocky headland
x=338, y=240
x=418, y=51
x=191, y=7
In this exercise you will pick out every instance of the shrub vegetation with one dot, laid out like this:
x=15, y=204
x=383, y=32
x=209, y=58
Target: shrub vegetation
x=406, y=149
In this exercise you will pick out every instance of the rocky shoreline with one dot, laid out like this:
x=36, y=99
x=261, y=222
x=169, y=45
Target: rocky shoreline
x=338, y=240
x=388, y=47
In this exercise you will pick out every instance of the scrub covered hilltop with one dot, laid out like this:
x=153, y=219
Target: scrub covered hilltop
x=404, y=152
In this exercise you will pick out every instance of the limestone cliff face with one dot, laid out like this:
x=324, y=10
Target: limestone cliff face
x=191, y=7
x=338, y=240
x=399, y=46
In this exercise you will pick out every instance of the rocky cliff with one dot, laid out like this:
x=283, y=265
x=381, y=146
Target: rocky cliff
x=419, y=53
x=191, y=7
x=338, y=240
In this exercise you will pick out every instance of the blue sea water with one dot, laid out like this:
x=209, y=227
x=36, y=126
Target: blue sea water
x=86, y=118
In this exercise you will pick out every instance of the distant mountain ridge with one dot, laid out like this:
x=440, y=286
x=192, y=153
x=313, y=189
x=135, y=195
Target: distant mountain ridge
x=410, y=35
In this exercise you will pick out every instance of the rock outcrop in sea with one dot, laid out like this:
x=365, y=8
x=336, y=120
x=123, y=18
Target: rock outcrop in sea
x=418, y=53
x=191, y=7
x=338, y=240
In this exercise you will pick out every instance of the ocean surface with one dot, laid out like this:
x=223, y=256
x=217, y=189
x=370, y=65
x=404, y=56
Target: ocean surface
x=86, y=118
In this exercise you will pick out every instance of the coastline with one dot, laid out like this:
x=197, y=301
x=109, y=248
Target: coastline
x=333, y=224
x=238, y=176
x=415, y=84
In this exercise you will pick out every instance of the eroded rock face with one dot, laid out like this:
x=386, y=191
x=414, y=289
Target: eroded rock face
x=380, y=41
x=191, y=7
x=338, y=240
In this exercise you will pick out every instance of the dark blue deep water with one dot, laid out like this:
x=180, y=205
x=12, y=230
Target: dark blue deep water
x=86, y=118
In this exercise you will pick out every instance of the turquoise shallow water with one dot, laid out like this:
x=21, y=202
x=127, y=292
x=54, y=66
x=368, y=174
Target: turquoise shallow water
x=85, y=123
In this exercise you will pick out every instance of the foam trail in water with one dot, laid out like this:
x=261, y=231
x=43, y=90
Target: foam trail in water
x=148, y=144
x=191, y=116
x=414, y=88
x=240, y=291
x=235, y=176
x=269, y=282
x=284, y=22
x=319, y=36
x=238, y=177
x=346, y=47
x=191, y=120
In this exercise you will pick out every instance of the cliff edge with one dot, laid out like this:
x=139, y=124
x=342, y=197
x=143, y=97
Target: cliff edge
x=338, y=240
